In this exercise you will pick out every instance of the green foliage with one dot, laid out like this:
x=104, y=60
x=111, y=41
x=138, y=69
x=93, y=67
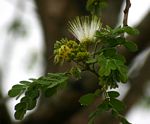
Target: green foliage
x=87, y=99
x=109, y=104
x=95, y=50
x=113, y=94
x=127, y=29
x=112, y=69
x=31, y=89
x=94, y=6
x=130, y=46
x=113, y=37
x=116, y=104
x=16, y=90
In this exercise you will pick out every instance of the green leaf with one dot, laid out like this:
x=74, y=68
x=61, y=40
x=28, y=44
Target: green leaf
x=118, y=62
x=104, y=106
x=123, y=70
x=16, y=90
x=25, y=82
x=87, y=99
x=130, y=30
x=31, y=103
x=18, y=86
x=113, y=94
x=106, y=65
x=50, y=91
x=53, y=79
x=131, y=46
x=32, y=92
x=118, y=30
x=112, y=53
x=103, y=34
x=120, y=58
x=105, y=68
x=114, y=113
x=21, y=106
x=118, y=41
x=126, y=29
x=20, y=110
x=20, y=114
x=113, y=41
x=109, y=52
x=117, y=104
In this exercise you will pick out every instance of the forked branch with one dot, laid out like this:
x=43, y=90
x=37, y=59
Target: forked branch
x=126, y=11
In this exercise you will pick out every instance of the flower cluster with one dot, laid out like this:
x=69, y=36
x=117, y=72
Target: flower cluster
x=63, y=50
x=84, y=30
x=69, y=50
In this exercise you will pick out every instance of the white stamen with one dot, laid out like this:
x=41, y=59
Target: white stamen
x=84, y=28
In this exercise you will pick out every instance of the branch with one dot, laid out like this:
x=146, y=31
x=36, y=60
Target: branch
x=126, y=11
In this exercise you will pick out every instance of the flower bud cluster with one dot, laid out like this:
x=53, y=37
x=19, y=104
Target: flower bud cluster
x=69, y=50
x=84, y=30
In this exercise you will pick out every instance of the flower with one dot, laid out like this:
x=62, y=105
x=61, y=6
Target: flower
x=62, y=54
x=84, y=28
x=63, y=50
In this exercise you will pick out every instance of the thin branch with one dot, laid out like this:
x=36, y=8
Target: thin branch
x=126, y=11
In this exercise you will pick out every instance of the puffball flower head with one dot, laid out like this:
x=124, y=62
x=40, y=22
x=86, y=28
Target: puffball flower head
x=84, y=28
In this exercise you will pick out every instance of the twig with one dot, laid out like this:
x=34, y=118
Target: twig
x=126, y=11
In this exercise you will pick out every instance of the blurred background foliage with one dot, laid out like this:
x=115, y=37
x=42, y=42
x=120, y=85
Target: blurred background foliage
x=51, y=17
